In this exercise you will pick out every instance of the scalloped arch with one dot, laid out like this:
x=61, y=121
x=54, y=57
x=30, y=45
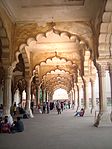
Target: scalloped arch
x=55, y=79
x=44, y=35
x=53, y=70
x=58, y=58
x=4, y=41
x=24, y=55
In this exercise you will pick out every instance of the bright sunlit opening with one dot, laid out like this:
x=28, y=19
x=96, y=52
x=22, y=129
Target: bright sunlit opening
x=60, y=94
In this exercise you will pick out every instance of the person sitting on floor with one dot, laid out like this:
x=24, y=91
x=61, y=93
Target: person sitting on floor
x=80, y=113
x=10, y=119
x=1, y=123
x=5, y=126
x=18, y=126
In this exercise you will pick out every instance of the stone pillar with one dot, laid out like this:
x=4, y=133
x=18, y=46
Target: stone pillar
x=28, y=97
x=44, y=95
x=93, y=96
x=110, y=73
x=79, y=96
x=1, y=94
x=86, y=95
x=76, y=97
x=103, y=116
x=102, y=89
x=38, y=95
x=73, y=99
x=7, y=98
x=71, y=96
x=47, y=96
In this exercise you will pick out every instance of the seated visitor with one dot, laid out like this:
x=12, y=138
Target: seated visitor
x=5, y=128
x=1, y=122
x=10, y=119
x=80, y=113
x=18, y=125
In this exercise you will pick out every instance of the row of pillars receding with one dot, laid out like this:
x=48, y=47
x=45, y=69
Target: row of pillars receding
x=83, y=101
x=7, y=94
x=75, y=95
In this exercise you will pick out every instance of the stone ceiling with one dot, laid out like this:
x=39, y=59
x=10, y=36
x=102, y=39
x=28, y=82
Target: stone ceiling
x=52, y=10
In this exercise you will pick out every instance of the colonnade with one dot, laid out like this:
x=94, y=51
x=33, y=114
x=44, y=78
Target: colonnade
x=102, y=107
x=83, y=100
x=75, y=92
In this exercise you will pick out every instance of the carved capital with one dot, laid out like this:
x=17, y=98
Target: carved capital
x=101, y=69
x=9, y=72
x=86, y=79
x=110, y=67
x=79, y=85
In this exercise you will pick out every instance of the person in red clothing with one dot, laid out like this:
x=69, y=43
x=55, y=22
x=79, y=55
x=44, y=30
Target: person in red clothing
x=5, y=127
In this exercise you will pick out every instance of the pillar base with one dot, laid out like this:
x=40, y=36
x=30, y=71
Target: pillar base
x=30, y=113
x=103, y=119
x=93, y=111
x=78, y=108
x=87, y=112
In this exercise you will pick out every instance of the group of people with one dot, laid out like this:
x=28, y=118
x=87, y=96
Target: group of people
x=17, y=110
x=59, y=106
x=7, y=125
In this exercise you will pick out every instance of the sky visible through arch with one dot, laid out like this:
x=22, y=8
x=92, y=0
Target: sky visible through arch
x=60, y=94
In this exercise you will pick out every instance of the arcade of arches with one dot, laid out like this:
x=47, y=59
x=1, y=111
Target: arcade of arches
x=48, y=45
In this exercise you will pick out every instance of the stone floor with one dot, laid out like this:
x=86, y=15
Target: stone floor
x=52, y=131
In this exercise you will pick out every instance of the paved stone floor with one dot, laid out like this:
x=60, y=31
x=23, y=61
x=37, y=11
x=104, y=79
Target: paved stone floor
x=52, y=131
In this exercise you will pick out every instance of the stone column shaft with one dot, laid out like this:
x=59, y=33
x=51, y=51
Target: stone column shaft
x=28, y=93
x=110, y=72
x=28, y=97
x=102, y=91
x=93, y=95
x=103, y=114
x=7, y=99
x=76, y=97
x=86, y=95
x=47, y=96
x=73, y=94
x=79, y=102
x=38, y=94
x=44, y=95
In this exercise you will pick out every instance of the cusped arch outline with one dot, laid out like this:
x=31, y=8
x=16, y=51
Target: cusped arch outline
x=58, y=83
x=71, y=36
x=55, y=69
x=24, y=56
x=54, y=79
x=58, y=57
x=4, y=43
